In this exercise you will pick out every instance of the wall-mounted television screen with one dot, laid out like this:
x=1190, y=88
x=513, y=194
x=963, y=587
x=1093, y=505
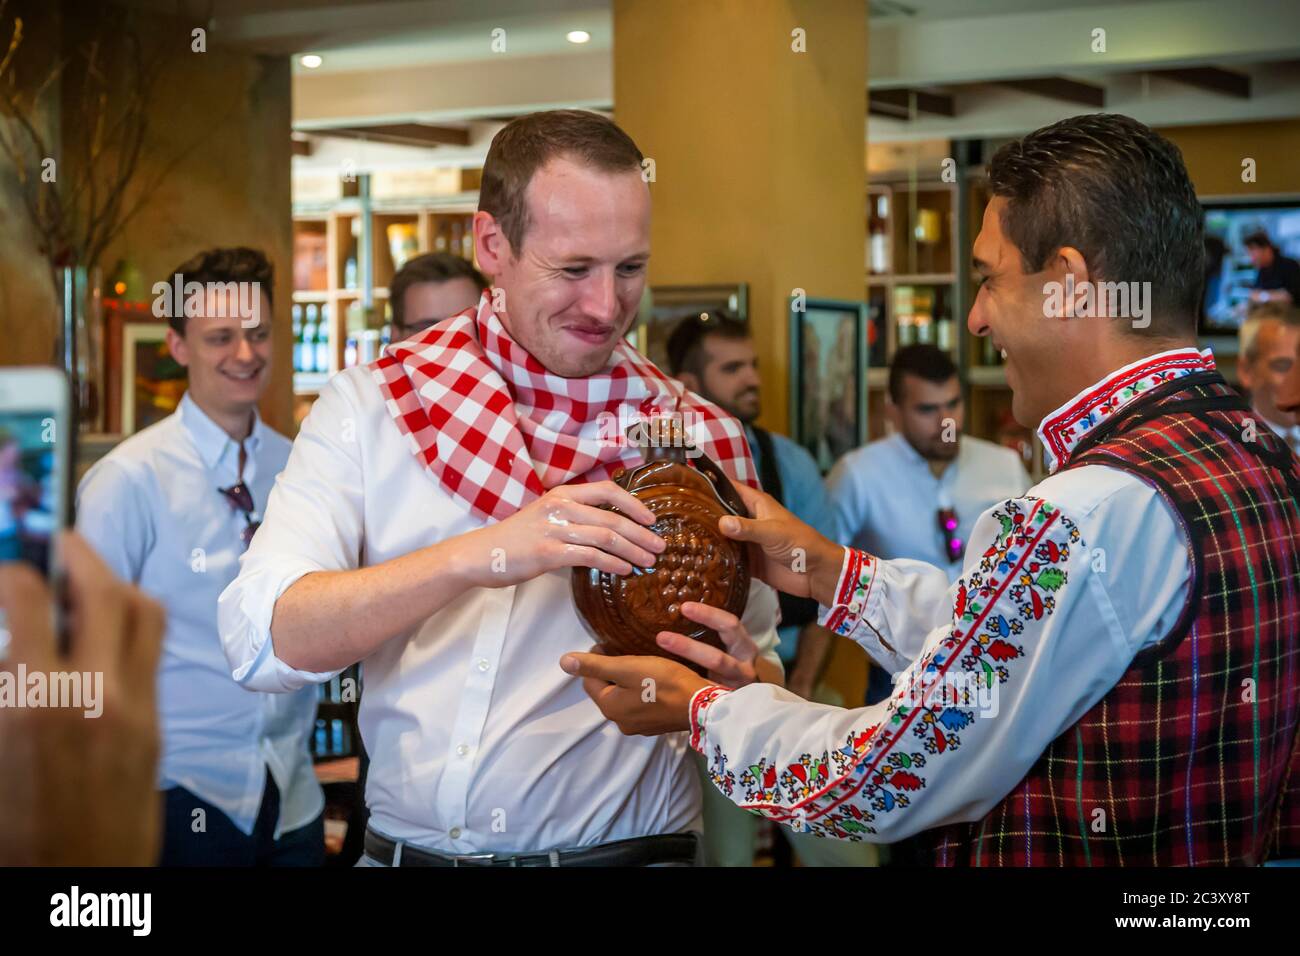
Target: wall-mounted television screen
x=1233, y=279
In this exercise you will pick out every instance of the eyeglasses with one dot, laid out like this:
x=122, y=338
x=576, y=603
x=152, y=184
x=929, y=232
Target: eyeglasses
x=409, y=329
x=947, y=520
x=241, y=499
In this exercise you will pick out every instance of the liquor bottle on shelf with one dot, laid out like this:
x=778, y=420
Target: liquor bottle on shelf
x=455, y=237
x=990, y=355
x=296, y=313
x=350, y=267
x=309, y=332
x=467, y=241
x=878, y=228
x=440, y=236
x=350, y=351
x=324, y=336
x=943, y=333
x=923, y=329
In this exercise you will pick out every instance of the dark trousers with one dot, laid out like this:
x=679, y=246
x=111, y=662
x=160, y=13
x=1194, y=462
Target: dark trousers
x=222, y=843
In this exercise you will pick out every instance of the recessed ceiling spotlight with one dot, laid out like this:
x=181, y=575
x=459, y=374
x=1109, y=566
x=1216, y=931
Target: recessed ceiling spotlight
x=577, y=36
x=310, y=61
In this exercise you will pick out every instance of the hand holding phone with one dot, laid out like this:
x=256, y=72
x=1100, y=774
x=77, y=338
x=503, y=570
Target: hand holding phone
x=35, y=465
x=79, y=789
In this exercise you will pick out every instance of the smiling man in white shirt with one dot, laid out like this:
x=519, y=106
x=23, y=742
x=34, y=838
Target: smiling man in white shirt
x=432, y=510
x=1112, y=679
x=172, y=510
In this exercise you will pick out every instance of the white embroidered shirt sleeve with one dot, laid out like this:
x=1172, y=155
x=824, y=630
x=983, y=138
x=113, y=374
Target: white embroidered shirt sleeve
x=972, y=712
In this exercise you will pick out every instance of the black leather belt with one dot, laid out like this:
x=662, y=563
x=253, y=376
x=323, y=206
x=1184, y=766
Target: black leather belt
x=638, y=851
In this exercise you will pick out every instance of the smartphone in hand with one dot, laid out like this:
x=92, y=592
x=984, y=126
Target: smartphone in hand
x=36, y=443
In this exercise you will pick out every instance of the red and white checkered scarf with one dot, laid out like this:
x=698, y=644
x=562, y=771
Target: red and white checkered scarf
x=497, y=430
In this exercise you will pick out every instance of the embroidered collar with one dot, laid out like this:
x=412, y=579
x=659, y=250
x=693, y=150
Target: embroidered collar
x=1062, y=430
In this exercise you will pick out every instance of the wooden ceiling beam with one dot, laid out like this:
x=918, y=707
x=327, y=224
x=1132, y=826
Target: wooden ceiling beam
x=1059, y=88
x=1209, y=78
x=401, y=134
x=900, y=103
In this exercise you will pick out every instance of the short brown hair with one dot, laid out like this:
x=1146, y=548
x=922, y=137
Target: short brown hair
x=233, y=264
x=430, y=267
x=922, y=360
x=525, y=145
x=686, y=343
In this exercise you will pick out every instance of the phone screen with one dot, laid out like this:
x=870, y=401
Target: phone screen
x=29, y=486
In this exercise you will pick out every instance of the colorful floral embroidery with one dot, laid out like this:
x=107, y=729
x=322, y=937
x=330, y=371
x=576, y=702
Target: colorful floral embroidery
x=856, y=575
x=1061, y=431
x=880, y=768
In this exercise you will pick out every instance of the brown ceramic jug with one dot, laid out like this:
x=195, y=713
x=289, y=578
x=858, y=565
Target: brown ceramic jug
x=625, y=612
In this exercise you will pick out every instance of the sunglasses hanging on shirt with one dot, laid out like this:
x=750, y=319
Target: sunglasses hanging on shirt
x=947, y=520
x=241, y=499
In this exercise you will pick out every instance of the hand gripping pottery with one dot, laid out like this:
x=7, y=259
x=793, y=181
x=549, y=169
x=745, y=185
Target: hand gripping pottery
x=625, y=612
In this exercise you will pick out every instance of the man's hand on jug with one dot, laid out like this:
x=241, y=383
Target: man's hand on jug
x=791, y=556
x=567, y=527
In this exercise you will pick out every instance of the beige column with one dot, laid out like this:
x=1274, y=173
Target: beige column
x=754, y=112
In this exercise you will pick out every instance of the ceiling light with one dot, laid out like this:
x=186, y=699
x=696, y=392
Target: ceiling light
x=311, y=61
x=577, y=36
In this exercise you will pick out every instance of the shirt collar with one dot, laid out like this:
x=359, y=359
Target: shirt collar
x=916, y=459
x=1289, y=433
x=1062, y=430
x=211, y=439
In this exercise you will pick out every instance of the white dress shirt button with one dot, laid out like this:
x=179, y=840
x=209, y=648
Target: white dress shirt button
x=462, y=750
x=454, y=833
x=484, y=664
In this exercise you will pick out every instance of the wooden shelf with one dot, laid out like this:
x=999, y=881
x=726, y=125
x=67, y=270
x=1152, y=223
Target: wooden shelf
x=345, y=224
x=309, y=383
x=925, y=278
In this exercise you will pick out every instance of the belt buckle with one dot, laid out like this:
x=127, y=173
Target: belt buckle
x=474, y=859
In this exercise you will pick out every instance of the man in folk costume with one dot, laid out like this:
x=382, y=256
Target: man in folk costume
x=1115, y=677
x=433, y=506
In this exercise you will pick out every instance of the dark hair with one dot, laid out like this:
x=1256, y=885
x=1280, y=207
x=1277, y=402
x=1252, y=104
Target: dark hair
x=430, y=267
x=525, y=145
x=1259, y=238
x=686, y=343
x=924, y=361
x=1119, y=193
x=233, y=264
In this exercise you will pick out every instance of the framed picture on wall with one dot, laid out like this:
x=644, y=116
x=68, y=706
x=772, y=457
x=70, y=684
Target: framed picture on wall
x=828, y=361
x=669, y=303
x=145, y=383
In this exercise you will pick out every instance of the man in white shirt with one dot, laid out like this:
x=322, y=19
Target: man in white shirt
x=916, y=493
x=1268, y=342
x=172, y=509
x=1112, y=679
x=432, y=511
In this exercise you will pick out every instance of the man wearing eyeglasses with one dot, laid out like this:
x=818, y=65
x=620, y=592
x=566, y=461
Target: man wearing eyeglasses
x=432, y=287
x=172, y=509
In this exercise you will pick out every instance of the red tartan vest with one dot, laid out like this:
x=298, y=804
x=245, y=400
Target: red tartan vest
x=1193, y=758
